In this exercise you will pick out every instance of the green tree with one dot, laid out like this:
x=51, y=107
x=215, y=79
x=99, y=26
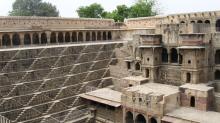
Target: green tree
x=33, y=8
x=143, y=8
x=92, y=11
x=121, y=12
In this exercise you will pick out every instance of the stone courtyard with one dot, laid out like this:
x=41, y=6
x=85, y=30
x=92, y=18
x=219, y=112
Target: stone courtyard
x=161, y=69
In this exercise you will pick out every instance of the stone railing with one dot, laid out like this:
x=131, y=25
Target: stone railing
x=4, y=119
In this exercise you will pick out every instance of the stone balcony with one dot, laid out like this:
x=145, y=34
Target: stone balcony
x=150, y=40
x=195, y=39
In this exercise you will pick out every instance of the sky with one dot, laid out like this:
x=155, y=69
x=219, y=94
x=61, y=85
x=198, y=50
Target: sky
x=67, y=8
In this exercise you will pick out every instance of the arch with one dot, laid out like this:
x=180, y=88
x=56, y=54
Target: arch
x=192, y=101
x=199, y=21
x=104, y=36
x=60, y=37
x=153, y=120
x=6, y=41
x=192, y=22
x=207, y=21
x=27, y=39
x=99, y=36
x=147, y=73
x=129, y=118
x=164, y=55
x=182, y=22
x=93, y=36
x=80, y=36
x=35, y=38
x=174, y=56
x=188, y=77
x=74, y=36
x=137, y=66
x=67, y=37
x=140, y=119
x=16, y=39
x=217, y=75
x=53, y=38
x=87, y=36
x=217, y=57
x=43, y=38
x=109, y=35
x=217, y=25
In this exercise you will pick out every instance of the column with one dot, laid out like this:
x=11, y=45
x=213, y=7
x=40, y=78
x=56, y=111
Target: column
x=57, y=37
x=77, y=33
x=169, y=55
x=101, y=35
x=0, y=39
x=84, y=36
x=10, y=35
x=31, y=35
x=90, y=34
x=71, y=34
x=22, y=39
x=96, y=34
x=39, y=35
x=48, y=37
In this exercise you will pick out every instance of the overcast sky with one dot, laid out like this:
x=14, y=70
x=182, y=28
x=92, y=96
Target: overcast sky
x=67, y=8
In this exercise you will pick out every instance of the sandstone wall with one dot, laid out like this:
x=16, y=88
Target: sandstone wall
x=48, y=23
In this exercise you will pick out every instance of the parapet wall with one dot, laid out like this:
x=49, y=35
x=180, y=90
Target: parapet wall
x=48, y=23
x=37, y=83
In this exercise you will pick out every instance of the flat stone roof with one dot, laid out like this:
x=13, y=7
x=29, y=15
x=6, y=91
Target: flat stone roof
x=154, y=88
x=135, y=78
x=105, y=96
x=195, y=115
x=199, y=87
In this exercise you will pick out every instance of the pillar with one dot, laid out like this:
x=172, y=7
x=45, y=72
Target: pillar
x=84, y=36
x=169, y=55
x=31, y=35
x=0, y=39
x=11, y=35
x=39, y=35
x=56, y=37
x=22, y=38
x=101, y=36
x=71, y=34
x=48, y=37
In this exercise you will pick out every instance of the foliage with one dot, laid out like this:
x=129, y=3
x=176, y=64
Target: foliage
x=92, y=11
x=121, y=12
x=142, y=8
x=33, y=8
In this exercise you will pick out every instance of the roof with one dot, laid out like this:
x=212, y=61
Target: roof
x=194, y=115
x=154, y=88
x=135, y=78
x=199, y=87
x=104, y=96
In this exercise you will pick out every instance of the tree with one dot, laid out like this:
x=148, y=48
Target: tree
x=92, y=11
x=142, y=8
x=121, y=12
x=33, y=8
